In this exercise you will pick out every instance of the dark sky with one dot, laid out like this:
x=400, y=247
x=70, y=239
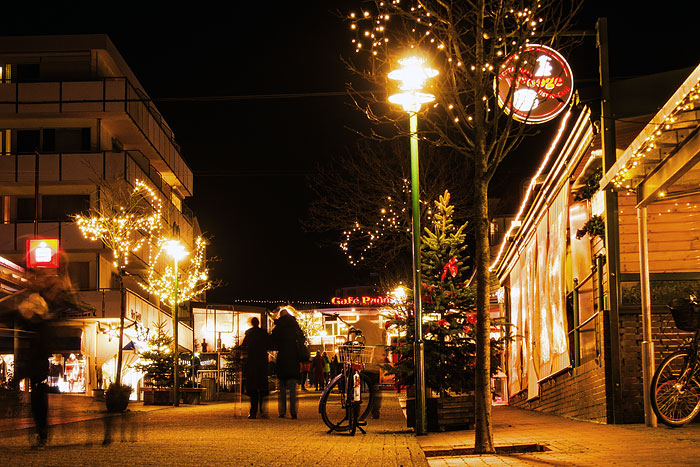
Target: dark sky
x=251, y=156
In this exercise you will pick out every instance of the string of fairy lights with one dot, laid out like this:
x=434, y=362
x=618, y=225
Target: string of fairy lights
x=126, y=225
x=390, y=220
x=622, y=179
x=191, y=279
x=372, y=34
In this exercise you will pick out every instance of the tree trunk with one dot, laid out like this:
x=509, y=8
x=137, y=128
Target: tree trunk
x=483, y=437
x=483, y=442
x=122, y=316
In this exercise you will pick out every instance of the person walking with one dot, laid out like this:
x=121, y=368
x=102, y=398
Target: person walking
x=305, y=367
x=326, y=370
x=287, y=337
x=317, y=371
x=335, y=366
x=255, y=344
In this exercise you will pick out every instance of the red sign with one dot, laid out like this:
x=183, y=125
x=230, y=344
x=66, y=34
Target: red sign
x=42, y=253
x=535, y=85
x=361, y=301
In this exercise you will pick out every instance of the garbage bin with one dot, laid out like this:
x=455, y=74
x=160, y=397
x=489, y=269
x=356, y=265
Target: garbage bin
x=209, y=385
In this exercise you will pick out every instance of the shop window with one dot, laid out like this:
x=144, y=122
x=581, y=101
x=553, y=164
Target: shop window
x=63, y=207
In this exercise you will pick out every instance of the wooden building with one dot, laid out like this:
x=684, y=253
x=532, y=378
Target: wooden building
x=584, y=304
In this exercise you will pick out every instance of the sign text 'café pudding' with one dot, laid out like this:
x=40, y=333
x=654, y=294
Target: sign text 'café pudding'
x=362, y=301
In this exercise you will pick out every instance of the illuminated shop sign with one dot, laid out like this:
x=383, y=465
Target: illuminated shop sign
x=362, y=301
x=534, y=85
x=42, y=253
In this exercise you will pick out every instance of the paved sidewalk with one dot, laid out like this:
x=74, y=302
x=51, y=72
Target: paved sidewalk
x=220, y=434
x=66, y=408
x=570, y=442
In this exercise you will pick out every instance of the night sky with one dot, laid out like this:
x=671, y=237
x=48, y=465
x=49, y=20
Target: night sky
x=251, y=156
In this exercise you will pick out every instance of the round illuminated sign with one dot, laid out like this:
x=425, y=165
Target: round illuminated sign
x=535, y=85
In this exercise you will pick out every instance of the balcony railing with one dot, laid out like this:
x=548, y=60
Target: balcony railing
x=99, y=96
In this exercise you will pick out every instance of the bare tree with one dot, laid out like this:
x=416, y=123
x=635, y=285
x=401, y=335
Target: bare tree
x=367, y=194
x=469, y=42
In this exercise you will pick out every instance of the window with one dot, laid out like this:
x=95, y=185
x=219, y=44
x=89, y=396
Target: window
x=62, y=207
x=28, y=141
x=79, y=273
x=27, y=72
x=25, y=209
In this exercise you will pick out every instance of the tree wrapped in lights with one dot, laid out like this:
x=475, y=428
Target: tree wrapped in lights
x=124, y=218
x=191, y=278
x=469, y=42
x=375, y=215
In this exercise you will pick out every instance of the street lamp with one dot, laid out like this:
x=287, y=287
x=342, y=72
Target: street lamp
x=177, y=252
x=412, y=76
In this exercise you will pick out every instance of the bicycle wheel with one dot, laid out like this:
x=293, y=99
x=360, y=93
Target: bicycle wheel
x=675, y=391
x=333, y=403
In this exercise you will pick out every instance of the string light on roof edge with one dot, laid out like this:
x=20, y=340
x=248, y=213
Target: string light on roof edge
x=516, y=223
x=622, y=179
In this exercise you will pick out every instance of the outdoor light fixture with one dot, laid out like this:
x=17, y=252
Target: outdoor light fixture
x=412, y=77
x=177, y=252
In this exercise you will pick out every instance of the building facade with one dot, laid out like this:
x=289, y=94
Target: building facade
x=587, y=309
x=72, y=115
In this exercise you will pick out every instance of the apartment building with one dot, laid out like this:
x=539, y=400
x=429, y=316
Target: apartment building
x=72, y=113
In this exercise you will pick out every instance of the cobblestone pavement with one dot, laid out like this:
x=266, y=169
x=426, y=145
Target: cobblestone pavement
x=219, y=434
x=570, y=442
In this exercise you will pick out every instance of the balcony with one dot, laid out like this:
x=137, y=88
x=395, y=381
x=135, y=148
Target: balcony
x=81, y=169
x=125, y=111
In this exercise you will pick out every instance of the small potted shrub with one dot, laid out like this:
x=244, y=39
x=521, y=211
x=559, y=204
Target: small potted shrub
x=117, y=397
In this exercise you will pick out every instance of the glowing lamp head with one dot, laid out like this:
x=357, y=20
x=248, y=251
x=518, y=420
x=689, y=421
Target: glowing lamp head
x=412, y=77
x=175, y=250
x=399, y=294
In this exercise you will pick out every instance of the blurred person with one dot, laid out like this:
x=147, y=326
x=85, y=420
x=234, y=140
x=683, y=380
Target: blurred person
x=47, y=296
x=255, y=345
x=286, y=338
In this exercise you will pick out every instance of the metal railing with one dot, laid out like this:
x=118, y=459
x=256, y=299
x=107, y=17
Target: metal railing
x=597, y=272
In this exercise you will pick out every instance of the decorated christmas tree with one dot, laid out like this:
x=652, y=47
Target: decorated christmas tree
x=157, y=358
x=448, y=310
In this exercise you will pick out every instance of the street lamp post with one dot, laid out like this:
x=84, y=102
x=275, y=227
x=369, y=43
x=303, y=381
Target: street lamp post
x=176, y=251
x=412, y=76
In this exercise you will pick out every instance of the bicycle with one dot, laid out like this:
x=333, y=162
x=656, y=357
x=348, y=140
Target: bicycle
x=348, y=398
x=675, y=387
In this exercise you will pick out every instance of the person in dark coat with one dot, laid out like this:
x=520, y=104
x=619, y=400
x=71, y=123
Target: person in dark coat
x=317, y=371
x=286, y=338
x=255, y=345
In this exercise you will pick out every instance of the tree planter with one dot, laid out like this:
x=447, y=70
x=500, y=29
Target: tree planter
x=157, y=396
x=444, y=413
x=117, y=398
x=10, y=403
x=192, y=395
